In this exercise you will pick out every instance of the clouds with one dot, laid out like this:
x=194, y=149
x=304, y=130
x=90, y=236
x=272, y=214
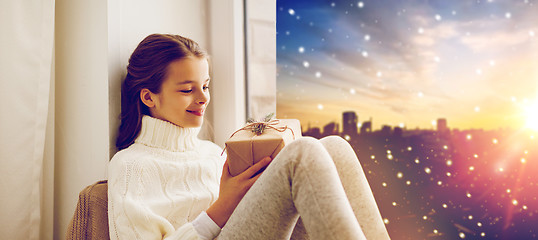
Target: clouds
x=483, y=42
x=390, y=51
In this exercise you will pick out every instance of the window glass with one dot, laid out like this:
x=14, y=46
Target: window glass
x=438, y=99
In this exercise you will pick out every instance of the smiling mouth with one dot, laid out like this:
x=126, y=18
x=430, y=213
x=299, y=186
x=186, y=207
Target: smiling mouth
x=197, y=113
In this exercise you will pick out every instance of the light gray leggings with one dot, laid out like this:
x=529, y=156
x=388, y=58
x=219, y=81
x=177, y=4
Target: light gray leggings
x=309, y=178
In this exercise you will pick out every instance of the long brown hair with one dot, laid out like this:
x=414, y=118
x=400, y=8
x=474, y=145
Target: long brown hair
x=147, y=69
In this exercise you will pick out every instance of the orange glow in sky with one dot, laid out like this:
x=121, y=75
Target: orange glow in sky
x=477, y=69
x=531, y=113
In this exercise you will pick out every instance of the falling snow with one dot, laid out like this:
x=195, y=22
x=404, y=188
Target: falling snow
x=428, y=184
x=291, y=12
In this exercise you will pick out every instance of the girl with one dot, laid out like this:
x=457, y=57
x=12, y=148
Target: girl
x=165, y=183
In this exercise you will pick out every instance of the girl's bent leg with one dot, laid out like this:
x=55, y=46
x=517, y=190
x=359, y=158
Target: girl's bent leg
x=356, y=187
x=303, y=180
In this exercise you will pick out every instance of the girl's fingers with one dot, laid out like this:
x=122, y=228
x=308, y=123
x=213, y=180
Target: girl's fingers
x=226, y=170
x=252, y=180
x=252, y=170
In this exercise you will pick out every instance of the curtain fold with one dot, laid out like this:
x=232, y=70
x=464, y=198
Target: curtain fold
x=26, y=43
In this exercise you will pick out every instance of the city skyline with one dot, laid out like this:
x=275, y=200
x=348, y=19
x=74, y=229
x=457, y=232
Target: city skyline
x=354, y=125
x=409, y=62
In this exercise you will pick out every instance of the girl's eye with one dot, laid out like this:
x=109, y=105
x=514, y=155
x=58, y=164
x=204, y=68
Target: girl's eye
x=186, y=91
x=206, y=87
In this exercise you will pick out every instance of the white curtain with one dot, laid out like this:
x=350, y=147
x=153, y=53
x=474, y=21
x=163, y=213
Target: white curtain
x=26, y=53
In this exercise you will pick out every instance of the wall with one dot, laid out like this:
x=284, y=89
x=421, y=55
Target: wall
x=81, y=113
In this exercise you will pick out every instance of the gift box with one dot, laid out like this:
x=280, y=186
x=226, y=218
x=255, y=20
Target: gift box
x=246, y=147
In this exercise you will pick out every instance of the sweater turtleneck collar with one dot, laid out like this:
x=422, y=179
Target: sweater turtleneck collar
x=162, y=134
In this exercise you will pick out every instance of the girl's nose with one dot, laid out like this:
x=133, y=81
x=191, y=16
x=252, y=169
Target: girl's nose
x=203, y=97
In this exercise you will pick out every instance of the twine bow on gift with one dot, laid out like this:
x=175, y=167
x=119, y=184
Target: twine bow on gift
x=258, y=127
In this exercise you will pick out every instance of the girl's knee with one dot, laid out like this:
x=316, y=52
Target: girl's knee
x=304, y=142
x=306, y=149
x=340, y=149
x=331, y=141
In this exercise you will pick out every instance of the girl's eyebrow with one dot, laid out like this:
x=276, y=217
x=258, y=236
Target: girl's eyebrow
x=190, y=81
x=184, y=82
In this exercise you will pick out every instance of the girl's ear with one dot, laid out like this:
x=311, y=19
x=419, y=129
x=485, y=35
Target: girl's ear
x=147, y=97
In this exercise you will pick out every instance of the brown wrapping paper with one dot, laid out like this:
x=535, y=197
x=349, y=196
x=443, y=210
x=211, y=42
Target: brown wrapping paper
x=245, y=148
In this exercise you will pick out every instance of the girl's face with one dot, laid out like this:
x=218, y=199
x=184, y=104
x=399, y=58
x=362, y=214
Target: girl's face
x=184, y=93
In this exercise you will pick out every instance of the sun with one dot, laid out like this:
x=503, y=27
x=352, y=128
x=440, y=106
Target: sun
x=531, y=113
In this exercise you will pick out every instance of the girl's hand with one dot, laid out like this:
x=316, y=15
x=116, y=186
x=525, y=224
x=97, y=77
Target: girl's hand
x=232, y=190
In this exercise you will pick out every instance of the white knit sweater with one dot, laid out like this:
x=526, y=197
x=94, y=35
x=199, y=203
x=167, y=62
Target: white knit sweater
x=164, y=181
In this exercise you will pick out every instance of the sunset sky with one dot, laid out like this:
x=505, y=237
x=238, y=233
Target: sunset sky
x=474, y=63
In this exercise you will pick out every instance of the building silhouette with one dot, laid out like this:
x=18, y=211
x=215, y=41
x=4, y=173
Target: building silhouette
x=442, y=125
x=349, y=123
x=330, y=129
x=366, y=127
x=386, y=130
x=398, y=132
x=315, y=132
x=442, y=129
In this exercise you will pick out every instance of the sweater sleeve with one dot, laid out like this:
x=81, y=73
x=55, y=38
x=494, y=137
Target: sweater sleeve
x=133, y=196
x=206, y=228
